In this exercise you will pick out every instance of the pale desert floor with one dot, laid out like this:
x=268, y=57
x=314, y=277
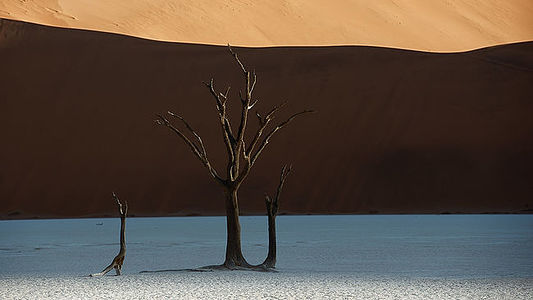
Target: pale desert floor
x=320, y=257
x=252, y=285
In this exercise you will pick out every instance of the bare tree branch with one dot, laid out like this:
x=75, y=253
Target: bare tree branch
x=227, y=133
x=263, y=124
x=163, y=121
x=219, y=103
x=246, y=100
x=194, y=148
x=269, y=136
x=123, y=208
x=254, y=82
x=225, y=96
x=204, y=152
x=275, y=109
x=285, y=171
x=237, y=59
x=250, y=158
x=273, y=204
x=243, y=100
x=240, y=146
x=253, y=104
x=221, y=108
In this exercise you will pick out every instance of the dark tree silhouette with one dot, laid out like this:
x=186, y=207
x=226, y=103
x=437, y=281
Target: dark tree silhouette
x=272, y=206
x=241, y=155
x=119, y=259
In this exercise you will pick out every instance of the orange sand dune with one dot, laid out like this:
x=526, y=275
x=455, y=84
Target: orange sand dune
x=395, y=131
x=429, y=25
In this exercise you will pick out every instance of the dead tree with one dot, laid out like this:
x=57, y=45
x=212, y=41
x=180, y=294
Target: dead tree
x=272, y=206
x=119, y=259
x=241, y=155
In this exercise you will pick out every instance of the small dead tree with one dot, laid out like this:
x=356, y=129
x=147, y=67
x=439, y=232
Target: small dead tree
x=119, y=259
x=241, y=155
x=272, y=206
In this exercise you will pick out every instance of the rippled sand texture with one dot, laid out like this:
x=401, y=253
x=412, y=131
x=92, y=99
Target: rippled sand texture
x=453, y=25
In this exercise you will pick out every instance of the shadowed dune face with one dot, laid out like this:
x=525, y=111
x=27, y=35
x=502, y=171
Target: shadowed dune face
x=429, y=25
x=396, y=131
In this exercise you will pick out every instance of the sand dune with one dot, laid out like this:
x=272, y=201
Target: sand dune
x=395, y=131
x=429, y=25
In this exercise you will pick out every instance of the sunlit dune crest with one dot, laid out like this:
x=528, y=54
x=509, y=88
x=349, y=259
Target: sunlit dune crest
x=429, y=25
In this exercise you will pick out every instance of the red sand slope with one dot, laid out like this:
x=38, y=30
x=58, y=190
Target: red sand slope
x=396, y=130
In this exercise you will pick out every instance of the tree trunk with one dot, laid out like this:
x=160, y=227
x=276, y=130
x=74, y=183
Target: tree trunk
x=118, y=261
x=272, y=207
x=238, y=151
x=270, y=261
x=234, y=257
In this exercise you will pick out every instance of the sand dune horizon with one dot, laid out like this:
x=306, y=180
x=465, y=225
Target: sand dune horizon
x=437, y=26
x=411, y=132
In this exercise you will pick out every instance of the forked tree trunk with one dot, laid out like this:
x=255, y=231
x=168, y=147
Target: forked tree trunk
x=241, y=155
x=119, y=259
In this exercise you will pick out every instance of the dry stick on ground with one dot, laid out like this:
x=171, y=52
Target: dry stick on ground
x=272, y=206
x=241, y=155
x=119, y=259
